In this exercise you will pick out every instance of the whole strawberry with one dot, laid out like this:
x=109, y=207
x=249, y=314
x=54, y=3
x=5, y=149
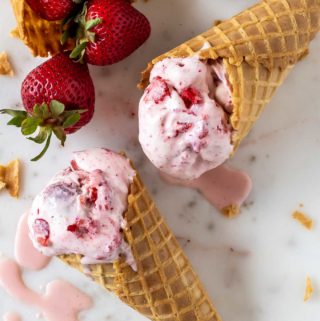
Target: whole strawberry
x=109, y=31
x=58, y=97
x=53, y=9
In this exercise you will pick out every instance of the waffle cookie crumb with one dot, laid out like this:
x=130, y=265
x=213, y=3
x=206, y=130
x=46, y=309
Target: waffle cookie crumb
x=309, y=290
x=5, y=66
x=303, y=219
x=15, y=33
x=230, y=211
x=10, y=177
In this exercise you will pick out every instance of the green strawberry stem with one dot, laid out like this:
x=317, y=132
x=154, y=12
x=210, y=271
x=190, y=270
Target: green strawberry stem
x=46, y=146
x=45, y=120
x=78, y=28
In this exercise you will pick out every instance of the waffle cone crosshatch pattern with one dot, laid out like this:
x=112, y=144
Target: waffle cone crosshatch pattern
x=165, y=286
x=184, y=223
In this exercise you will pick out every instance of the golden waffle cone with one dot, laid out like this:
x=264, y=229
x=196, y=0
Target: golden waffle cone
x=258, y=47
x=41, y=36
x=165, y=287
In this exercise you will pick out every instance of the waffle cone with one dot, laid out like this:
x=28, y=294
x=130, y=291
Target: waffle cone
x=259, y=47
x=41, y=36
x=165, y=287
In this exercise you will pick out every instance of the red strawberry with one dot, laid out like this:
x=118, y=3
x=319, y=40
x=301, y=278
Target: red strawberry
x=58, y=97
x=191, y=96
x=52, y=9
x=109, y=31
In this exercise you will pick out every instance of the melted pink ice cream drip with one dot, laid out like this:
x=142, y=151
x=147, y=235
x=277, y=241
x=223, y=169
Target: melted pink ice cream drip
x=61, y=301
x=81, y=209
x=222, y=186
x=183, y=126
x=11, y=316
x=25, y=253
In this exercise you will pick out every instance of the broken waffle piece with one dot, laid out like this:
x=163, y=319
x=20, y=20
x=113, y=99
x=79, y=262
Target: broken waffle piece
x=15, y=33
x=231, y=211
x=5, y=66
x=309, y=290
x=41, y=36
x=303, y=219
x=10, y=177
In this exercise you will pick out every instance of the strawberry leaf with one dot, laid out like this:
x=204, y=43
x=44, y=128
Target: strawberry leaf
x=81, y=16
x=46, y=120
x=14, y=113
x=45, y=147
x=29, y=126
x=71, y=120
x=78, y=51
x=70, y=112
x=42, y=111
x=37, y=110
x=16, y=121
x=41, y=137
x=56, y=108
x=64, y=37
x=92, y=23
x=60, y=134
x=45, y=111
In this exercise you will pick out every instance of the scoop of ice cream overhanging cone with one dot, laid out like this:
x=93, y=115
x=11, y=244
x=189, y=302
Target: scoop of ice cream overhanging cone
x=254, y=50
x=183, y=126
x=80, y=210
x=98, y=217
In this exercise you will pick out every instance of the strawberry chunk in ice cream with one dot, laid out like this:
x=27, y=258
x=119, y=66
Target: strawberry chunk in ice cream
x=183, y=116
x=81, y=210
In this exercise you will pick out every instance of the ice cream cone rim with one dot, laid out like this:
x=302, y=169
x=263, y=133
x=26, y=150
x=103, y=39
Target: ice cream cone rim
x=266, y=59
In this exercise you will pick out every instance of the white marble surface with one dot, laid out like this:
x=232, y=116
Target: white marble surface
x=254, y=266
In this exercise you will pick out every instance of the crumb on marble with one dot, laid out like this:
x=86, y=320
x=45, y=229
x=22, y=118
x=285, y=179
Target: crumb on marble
x=230, y=211
x=10, y=177
x=252, y=158
x=301, y=205
x=309, y=290
x=5, y=66
x=303, y=219
x=15, y=33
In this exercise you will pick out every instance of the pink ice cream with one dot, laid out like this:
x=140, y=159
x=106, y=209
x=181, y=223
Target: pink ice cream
x=183, y=116
x=81, y=209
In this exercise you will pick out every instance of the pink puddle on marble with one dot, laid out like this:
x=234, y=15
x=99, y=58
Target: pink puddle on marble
x=25, y=253
x=12, y=317
x=61, y=301
x=222, y=186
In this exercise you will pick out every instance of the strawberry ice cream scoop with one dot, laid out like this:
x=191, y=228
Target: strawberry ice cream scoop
x=81, y=210
x=183, y=116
